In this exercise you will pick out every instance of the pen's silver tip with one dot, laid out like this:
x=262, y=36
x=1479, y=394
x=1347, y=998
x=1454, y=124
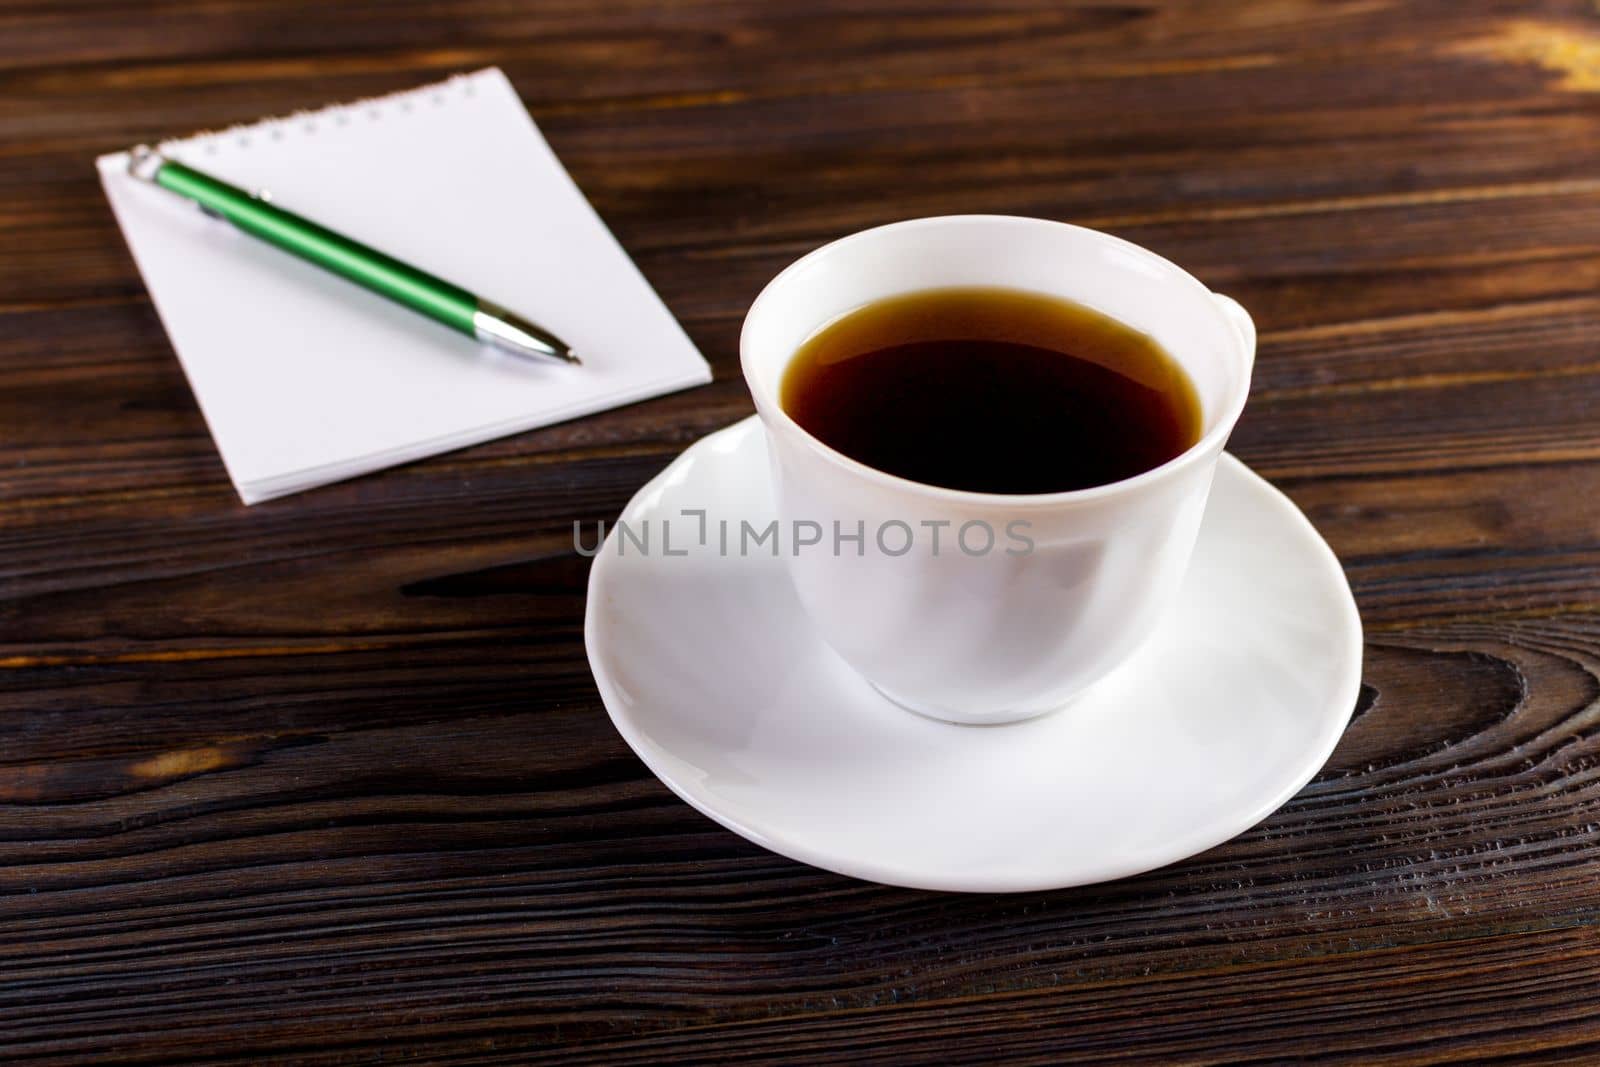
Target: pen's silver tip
x=572, y=357
x=495, y=325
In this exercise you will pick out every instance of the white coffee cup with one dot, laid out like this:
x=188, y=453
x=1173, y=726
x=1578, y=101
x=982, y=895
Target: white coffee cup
x=1010, y=632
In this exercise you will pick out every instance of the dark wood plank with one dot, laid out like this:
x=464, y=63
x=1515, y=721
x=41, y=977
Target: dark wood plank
x=327, y=780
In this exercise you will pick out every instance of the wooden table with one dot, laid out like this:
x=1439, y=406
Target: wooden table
x=328, y=778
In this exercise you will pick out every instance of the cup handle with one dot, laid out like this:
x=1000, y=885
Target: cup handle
x=1242, y=324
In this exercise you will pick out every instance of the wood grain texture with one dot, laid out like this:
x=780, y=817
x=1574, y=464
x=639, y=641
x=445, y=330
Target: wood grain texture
x=327, y=780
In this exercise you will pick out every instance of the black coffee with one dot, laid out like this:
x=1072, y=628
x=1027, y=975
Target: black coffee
x=993, y=390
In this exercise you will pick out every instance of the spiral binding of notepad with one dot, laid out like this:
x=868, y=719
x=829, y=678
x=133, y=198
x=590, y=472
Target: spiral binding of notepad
x=307, y=122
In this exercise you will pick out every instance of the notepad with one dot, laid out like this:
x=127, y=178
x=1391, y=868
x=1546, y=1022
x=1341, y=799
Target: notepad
x=305, y=378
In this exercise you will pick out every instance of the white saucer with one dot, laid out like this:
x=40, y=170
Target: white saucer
x=712, y=674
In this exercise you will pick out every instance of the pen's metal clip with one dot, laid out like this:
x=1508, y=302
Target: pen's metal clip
x=144, y=161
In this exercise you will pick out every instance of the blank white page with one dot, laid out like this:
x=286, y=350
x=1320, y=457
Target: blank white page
x=305, y=378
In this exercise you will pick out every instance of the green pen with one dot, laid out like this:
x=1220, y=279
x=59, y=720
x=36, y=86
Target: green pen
x=255, y=214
